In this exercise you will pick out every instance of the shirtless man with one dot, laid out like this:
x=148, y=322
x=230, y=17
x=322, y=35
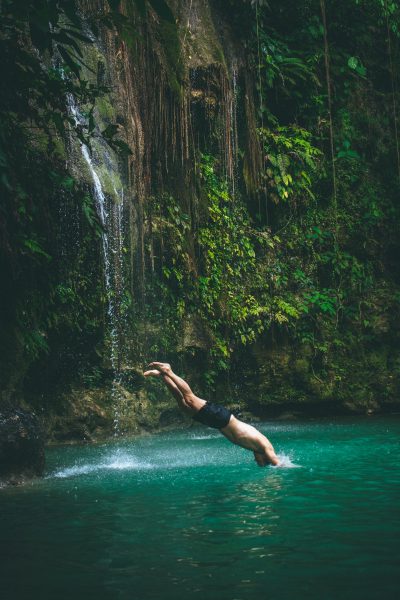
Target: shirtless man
x=215, y=416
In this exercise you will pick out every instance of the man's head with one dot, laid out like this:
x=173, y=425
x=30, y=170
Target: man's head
x=261, y=459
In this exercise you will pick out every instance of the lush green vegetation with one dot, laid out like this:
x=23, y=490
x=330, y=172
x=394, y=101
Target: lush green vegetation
x=284, y=260
x=306, y=251
x=44, y=295
x=53, y=300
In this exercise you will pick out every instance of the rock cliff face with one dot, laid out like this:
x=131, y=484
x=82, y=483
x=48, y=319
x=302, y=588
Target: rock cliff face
x=174, y=95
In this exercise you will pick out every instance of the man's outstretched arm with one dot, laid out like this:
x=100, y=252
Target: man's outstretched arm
x=166, y=370
x=168, y=382
x=186, y=399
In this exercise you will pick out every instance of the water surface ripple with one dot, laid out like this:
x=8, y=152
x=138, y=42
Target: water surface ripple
x=187, y=514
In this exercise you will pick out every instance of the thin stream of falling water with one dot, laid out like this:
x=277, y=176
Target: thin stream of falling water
x=234, y=132
x=110, y=214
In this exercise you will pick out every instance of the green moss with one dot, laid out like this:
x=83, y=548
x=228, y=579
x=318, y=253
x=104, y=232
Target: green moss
x=173, y=54
x=202, y=42
x=301, y=366
x=92, y=58
x=49, y=147
x=59, y=149
x=105, y=111
x=220, y=56
x=110, y=181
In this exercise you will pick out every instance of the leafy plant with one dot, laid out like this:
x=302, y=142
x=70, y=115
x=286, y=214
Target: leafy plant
x=291, y=162
x=282, y=67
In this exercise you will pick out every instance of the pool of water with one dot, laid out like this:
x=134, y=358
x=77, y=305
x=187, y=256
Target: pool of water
x=187, y=514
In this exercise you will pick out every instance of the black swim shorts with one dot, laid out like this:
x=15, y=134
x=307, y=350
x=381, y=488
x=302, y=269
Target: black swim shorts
x=213, y=415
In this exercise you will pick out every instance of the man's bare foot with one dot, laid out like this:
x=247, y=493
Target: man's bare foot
x=164, y=368
x=152, y=373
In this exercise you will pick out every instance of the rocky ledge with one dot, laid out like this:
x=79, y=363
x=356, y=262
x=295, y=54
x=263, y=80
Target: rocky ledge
x=21, y=446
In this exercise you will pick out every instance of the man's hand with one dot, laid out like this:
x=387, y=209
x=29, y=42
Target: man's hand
x=152, y=373
x=164, y=368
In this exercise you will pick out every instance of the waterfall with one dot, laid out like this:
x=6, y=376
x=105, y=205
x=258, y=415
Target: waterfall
x=110, y=210
x=234, y=130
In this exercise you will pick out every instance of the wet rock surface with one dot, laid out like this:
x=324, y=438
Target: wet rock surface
x=21, y=446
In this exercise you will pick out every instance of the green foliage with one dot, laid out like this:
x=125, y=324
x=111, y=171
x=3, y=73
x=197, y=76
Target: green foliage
x=168, y=291
x=119, y=146
x=291, y=163
x=247, y=271
x=356, y=65
x=42, y=48
x=34, y=343
x=235, y=291
x=47, y=299
x=35, y=36
x=280, y=67
x=228, y=284
x=35, y=248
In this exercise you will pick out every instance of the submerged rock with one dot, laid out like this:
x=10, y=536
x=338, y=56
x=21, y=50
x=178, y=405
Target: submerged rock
x=21, y=446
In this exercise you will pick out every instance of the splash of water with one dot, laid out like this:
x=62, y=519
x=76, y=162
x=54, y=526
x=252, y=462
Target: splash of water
x=285, y=462
x=116, y=462
x=126, y=461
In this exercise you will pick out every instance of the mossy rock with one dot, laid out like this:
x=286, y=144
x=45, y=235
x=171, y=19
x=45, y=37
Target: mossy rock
x=21, y=445
x=105, y=110
x=200, y=42
x=359, y=398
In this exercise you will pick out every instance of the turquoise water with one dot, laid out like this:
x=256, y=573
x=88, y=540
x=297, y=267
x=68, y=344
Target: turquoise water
x=187, y=514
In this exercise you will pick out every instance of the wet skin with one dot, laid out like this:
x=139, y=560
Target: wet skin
x=236, y=431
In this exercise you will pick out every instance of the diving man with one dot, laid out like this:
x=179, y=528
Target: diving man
x=215, y=416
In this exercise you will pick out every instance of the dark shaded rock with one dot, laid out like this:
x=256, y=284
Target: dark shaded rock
x=21, y=445
x=288, y=416
x=131, y=379
x=71, y=430
x=84, y=416
x=195, y=334
x=171, y=416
